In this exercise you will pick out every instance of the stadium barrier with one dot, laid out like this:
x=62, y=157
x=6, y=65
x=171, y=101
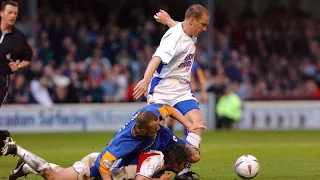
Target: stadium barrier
x=79, y=117
x=111, y=117
x=281, y=115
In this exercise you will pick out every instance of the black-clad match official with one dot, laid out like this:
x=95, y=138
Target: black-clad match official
x=13, y=46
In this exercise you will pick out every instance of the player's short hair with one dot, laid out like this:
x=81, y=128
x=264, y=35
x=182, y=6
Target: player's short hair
x=144, y=118
x=177, y=154
x=196, y=11
x=9, y=2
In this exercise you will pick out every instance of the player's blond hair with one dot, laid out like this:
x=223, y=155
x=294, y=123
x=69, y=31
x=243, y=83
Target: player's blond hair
x=196, y=11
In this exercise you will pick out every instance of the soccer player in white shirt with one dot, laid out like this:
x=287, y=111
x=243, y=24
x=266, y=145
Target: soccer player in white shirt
x=168, y=75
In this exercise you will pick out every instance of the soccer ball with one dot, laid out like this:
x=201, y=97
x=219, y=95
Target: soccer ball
x=247, y=167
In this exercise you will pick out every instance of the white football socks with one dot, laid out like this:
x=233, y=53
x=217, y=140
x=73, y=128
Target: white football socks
x=35, y=162
x=53, y=165
x=27, y=169
x=194, y=139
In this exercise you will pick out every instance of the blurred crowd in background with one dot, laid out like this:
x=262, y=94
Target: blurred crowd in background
x=80, y=58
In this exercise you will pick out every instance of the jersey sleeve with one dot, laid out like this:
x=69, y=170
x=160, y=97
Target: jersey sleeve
x=25, y=52
x=106, y=162
x=169, y=109
x=167, y=48
x=165, y=111
x=120, y=146
x=150, y=163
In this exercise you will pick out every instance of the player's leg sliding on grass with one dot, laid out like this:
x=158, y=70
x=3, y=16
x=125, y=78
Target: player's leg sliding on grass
x=37, y=164
x=151, y=165
x=28, y=162
x=79, y=171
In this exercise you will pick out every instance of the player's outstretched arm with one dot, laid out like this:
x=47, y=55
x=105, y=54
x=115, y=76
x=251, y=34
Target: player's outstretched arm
x=142, y=87
x=176, y=114
x=164, y=18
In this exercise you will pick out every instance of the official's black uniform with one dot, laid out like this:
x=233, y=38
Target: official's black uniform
x=13, y=46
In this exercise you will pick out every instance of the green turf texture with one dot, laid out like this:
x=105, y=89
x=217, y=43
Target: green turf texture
x=290, y=155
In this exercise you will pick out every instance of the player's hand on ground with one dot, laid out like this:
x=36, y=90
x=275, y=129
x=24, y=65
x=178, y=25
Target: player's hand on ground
x=13, y=66
x=140, y=89
x=165, y=176
x=162, y=17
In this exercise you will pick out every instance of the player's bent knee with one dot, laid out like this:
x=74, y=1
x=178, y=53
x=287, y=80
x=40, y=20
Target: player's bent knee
x=195, y=116
x=57, y=169
x=82, y=170
x=50, y=174
x=201, y=121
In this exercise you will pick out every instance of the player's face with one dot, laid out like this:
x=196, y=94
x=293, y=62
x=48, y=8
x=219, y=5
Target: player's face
x=153, y=128
x=176, y=168
x=200, y=25
x=9, y=14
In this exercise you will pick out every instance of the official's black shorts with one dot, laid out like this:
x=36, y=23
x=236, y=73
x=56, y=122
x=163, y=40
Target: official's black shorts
x=4, y=84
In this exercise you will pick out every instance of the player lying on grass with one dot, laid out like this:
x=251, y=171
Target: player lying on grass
x=151, y=165
x=143, y=132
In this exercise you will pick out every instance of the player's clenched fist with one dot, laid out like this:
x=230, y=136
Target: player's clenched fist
x=162, y=17
x=140, y=89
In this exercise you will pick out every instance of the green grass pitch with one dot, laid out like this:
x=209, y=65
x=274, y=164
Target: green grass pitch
x=290, y=155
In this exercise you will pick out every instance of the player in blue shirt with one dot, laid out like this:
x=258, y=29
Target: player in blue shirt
x=139, y=134
x=165, y=140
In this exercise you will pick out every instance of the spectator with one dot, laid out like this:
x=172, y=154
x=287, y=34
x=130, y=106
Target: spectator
x=273, y=56
x=228, y=109
x=40, y=92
